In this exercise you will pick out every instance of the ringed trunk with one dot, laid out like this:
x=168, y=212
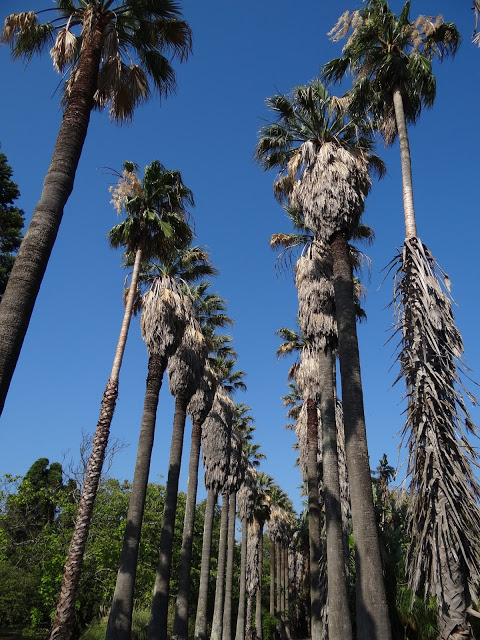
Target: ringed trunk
x=157, y=627
x=272, y=576
x=258, y=595
x=372, y=612
x=220, y=585
x=201, y=618
x=240, y=634
x=120, y=619
x=314, y=520
x=180, y=625
x=339, y=624
x=407, y=186
x=227, y=607
x=32, y=259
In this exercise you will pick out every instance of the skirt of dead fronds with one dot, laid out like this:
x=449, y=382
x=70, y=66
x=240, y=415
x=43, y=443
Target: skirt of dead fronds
x=443, y=511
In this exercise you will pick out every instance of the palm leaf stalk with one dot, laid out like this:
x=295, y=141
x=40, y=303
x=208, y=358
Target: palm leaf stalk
x=394, y=88
x=91, y=41
x=154, y=214
x=325, y=160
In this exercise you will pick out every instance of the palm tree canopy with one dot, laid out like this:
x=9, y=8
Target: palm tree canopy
x=386, y=52
x=156, y=209
x=133, y=37
x=324, y=158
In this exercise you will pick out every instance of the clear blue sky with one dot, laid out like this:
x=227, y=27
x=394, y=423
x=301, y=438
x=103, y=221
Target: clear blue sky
x=243, y=53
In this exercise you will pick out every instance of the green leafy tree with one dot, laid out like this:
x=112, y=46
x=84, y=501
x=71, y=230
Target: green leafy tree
x=11, y=222
x=113, y=54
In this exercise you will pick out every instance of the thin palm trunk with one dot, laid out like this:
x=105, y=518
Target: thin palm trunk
x=272, y=576
x=407, y=188
x=339, y=624
x=31, y=262
x=278, y=562
x=227, y=606
x=201, y=618
x=240, y=632
x=313, y=520
x=258, y=595
x=65, y=611
x=120, y=619
x=285, y=593
x=220, y=585
x=372, y=611
x=157, y=627
x=180, y=626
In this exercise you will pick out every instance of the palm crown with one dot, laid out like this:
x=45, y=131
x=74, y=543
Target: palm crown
x=132, y=37
x=324, y=158
x=386, y=52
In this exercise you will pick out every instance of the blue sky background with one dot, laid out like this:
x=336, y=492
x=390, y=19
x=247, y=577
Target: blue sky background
x=243, y=53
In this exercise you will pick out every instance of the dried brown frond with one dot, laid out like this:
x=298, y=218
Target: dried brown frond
x=342, y=26
x=15, y=23
x=64, y=50
x=254, y=540
x=128, y=186
x=185, y=367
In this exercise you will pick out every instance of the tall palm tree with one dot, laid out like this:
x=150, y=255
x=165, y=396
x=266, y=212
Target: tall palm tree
x=113, y=52
x=326, y=161
x=209, y=311
x=156, y=208
x=166, y=312
x=261, y=514
x=390, y=58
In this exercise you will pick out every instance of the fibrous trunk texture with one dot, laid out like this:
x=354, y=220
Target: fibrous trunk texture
x=157, y=627
x=180, y=625
x=339, y=625
x=220, y=585
x=201, y=618
x=32, y=259
x=372, y=611
x=314, y=520
x=120, y=619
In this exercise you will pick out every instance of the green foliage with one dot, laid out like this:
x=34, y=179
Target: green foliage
x=269, y=624
x=11, y=222
x=37, y=514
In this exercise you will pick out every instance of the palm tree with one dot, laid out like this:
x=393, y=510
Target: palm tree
x=156, y=208
x=390, y=58
x=261, y=514
x=166, y=312
x=112, y=52
x=326, y=162
x=209, y=311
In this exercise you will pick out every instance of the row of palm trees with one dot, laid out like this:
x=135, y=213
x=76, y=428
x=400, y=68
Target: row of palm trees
x=323, y=148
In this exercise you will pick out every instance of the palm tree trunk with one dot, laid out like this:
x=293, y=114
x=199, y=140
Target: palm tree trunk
x=180, y=625
x=258, y=595
x=227, y=606
x=220, y=585
x=201, y=618
x=65, y=611
x=339, y=624
x=240, y=632
x=278, y=561
x=157, y=626
x=32, y=259
x=120, y=619
x=407, y=187
x=372, y=611
x=249, y=618
x=285, y=593
x=272, y=576
x=313, y=520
